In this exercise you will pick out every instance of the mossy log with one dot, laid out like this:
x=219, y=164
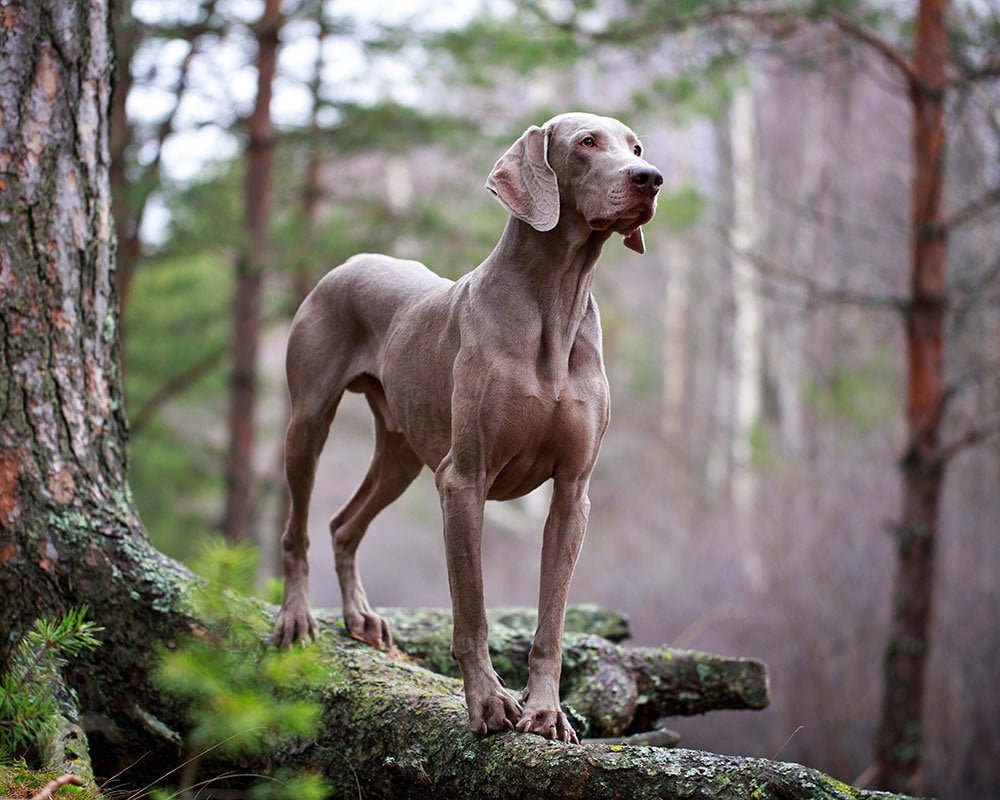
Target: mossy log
x=399, y=730
x=613, y=689
x=580, y=618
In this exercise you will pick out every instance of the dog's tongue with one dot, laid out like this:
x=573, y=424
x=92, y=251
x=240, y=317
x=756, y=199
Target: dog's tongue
x=633, y=241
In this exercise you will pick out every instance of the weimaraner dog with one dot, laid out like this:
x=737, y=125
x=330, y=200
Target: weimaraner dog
x=495, y=381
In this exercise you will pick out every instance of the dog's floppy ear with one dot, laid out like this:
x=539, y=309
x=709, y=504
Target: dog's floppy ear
x=524, y=183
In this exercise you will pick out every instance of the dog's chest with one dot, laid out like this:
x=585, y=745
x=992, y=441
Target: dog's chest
x=545, y=426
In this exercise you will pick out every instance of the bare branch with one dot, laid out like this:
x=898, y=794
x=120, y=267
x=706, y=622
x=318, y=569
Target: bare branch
x=45, y=793
x=973, y=209
x=821, y=293
x=176, y=385
x=976, y=435
x=779, y=22
x=884, y=48
x=976, y=374
x=972, y=294
x=166, y=127
x=988, y=70
x=184, y=380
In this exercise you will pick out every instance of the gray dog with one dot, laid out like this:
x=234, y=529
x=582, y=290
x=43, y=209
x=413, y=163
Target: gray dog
x=495, y=381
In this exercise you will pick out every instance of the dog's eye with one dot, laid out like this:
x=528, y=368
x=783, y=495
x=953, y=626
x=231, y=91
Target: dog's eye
x=588, y=141
x=637, y=149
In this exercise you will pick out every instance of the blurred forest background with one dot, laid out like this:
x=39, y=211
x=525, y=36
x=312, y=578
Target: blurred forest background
x=752, y=478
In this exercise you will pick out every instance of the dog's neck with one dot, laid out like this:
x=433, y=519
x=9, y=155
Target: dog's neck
x=548, y=275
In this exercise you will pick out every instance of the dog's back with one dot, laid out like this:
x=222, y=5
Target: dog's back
x=346, y=316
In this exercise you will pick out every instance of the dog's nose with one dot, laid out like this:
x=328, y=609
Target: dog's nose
x=648, y=179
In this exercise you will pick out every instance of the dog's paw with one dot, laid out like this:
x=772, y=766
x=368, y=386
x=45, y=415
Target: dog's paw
x=294, y=623
x=493, y=711
x=369, y=627
x=551, y=723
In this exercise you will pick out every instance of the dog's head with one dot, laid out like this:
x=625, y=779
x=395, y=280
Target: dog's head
x=579, y=163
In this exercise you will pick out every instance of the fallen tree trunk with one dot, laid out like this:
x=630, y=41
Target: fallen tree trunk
x=399, y=730
x=614, y=690
x=580, y=618
x=389, y=725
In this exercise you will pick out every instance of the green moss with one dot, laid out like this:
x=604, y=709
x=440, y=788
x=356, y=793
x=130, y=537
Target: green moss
x=17, y=781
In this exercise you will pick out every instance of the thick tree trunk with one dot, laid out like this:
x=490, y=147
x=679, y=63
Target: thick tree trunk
x=238, y=520
x=69, y=531
x=900, y=729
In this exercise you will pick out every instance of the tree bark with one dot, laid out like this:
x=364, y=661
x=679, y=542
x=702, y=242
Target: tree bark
x=127, y=38
x=70, y=534
x=613, y=690
x=238, y=519
x=900, y=737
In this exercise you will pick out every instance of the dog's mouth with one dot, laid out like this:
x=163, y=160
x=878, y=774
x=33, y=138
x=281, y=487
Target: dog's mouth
x=629, y=218
x=629, y=222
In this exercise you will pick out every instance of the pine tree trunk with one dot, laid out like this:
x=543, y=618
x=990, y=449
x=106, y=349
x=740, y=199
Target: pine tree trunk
x=69, y=534
x=900, y=737
x=239, y=513
x=128, y=249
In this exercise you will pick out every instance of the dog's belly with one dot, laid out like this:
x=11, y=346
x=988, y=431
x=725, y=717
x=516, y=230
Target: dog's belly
x=522, y=475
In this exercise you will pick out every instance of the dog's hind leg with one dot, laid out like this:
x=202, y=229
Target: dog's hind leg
x=319, y=368
x=304, y=440
x=393, y=467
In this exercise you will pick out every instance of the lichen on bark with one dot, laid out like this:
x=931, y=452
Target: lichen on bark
x=613, y=689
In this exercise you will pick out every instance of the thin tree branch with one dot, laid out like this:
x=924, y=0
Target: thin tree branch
x=972, y=294
x=978, y=434
x=176, y=385
x=884, y=48
x=984, y=72
x=781, y=21
x=973, y=208
x=166, y=126
x=820, y=292
x=45, y=793
x=184, y=380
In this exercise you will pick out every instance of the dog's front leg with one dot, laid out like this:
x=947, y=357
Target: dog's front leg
x=564, y=531
x=491, y=708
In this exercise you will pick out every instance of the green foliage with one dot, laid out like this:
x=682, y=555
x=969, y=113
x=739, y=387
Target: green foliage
x=865, y=395
x=17, y=780
x=700, y=90
x=178, y=315
x=763, y=454
x=492, y=46
x=391, y=127
x=243, y=697
x=207, y=214
x=681, y=209
x=639, y=350
x=29, y=705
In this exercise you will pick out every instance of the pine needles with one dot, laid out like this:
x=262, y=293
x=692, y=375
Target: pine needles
x=29, y=699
